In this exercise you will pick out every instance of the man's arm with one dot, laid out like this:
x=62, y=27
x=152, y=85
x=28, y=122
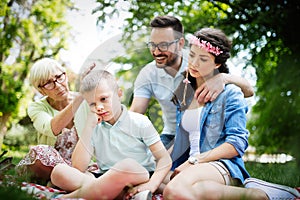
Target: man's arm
x=241, y=82
x=211, y=88
x=139, y=105
x=163, y=166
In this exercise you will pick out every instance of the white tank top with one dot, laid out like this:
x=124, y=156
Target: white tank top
x=191, y=123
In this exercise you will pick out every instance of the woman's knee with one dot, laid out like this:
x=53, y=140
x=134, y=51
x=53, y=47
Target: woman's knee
x=200, y=190
x=173, y=190
x=208, y=190
x=58, y=171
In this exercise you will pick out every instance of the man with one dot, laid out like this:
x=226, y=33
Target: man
x=161, y=77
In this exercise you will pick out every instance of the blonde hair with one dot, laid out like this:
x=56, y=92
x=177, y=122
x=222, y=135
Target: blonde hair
x=42, y=70
x=97, y=77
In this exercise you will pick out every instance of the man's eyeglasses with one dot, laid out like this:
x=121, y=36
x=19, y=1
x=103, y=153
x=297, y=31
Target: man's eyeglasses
x=163, y=46
x=50, y=85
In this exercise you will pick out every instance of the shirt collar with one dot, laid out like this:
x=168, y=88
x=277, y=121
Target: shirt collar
x=121, y=118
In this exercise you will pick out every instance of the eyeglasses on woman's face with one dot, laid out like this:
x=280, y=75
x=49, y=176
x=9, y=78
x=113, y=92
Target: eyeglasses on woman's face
x=50, y=85
x=163, y=46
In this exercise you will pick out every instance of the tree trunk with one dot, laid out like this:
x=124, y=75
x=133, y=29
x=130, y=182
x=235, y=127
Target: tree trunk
x=3, y=128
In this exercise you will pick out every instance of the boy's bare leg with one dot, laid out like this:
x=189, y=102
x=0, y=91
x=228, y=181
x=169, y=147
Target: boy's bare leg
x=125, y=173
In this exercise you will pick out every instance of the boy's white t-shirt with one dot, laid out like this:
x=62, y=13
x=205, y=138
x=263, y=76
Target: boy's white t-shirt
x=129, y=137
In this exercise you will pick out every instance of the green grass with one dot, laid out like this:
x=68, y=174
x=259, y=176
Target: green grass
x=16, y=152
x=281, y=173
x=11, y=182
x=14, y=193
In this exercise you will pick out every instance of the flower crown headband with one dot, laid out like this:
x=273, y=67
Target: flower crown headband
x=205, y=45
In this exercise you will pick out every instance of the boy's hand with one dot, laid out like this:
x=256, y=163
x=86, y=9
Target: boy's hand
x=93, y=119
x=139, y=188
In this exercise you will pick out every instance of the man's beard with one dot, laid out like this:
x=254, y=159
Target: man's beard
x=169, y=63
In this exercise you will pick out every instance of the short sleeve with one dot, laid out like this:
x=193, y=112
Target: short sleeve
x=142, y=84
x=147, y=131
x=41, y=115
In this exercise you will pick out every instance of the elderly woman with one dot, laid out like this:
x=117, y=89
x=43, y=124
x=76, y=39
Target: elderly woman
x=52, y=117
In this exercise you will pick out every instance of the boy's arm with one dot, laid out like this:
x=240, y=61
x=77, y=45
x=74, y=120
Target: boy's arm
x=83, y=151
x=212, y=87
x=163, y=165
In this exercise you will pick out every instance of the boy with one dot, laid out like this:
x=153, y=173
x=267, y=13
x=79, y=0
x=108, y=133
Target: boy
x=126, y=146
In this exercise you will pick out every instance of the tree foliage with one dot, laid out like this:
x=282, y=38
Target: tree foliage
x=266, y=33
x=29, y=30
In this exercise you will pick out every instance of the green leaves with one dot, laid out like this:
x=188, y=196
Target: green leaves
x=29, y=30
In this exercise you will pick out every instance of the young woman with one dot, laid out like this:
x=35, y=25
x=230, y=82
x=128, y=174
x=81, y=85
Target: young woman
x=211, y=138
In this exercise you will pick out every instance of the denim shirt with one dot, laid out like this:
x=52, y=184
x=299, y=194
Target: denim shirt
x=223, y=120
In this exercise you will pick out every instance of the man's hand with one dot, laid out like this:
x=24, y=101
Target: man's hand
x=210, y=89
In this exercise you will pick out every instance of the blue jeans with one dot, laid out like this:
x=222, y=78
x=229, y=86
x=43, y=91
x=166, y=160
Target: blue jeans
x=167, y=140
x=184, y=157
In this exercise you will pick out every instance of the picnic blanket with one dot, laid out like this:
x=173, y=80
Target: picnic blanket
x=40, y=191
x=49, y=193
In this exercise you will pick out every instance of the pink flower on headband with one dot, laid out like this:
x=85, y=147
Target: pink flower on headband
x=205, y=45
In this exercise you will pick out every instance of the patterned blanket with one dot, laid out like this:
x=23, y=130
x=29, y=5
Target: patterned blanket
x=40, y=191
x=48, y=193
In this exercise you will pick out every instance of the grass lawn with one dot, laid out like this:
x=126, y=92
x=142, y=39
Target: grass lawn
x=280, y=173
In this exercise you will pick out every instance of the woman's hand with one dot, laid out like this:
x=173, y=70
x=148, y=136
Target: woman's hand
x=87, y=71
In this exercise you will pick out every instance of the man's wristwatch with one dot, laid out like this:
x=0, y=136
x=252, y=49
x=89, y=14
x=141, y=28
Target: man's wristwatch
x=193, y=160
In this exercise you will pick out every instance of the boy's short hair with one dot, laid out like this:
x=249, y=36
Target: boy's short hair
x=97, y=77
